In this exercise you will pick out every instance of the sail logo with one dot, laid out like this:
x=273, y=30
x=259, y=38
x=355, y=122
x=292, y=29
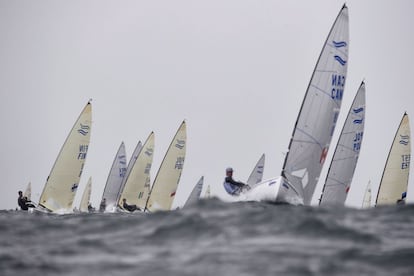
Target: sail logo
x=149, y=151
x=179, y=163
x=340, y=60
x=405, y=164
x=404, y=139
x=122, y=159
x=147, y=168
x=358, y=121
x=84, y=129
x=358, y=110
x=83, y=150
x=338, y=84
x=339, y=44
x=357, y=141
x=180, y=144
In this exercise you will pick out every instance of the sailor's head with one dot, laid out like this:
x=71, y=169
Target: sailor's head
x=20, y=193
x=124, y=200
x=229, y=171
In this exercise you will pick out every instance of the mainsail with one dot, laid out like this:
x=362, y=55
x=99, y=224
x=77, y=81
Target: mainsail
x=208, y=193
x=28, y=192
x=340, y=174
x=195, y=193
x=115, y=178
x=137, y=184
x=366, y=203
x=86, y=196
x=257, y=173
x=317, y=118
x=393, y=186
x=63, y=180
x=165, y=184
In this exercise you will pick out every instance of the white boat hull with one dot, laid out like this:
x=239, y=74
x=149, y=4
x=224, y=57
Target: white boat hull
x=276, y=190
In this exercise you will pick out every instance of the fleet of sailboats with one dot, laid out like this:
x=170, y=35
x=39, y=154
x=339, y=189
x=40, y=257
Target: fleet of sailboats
x=307, y=153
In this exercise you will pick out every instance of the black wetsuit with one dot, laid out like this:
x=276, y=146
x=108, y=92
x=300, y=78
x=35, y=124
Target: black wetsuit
x=102, y=207
x=230, y=180
x=22, y=203
x=130, y=208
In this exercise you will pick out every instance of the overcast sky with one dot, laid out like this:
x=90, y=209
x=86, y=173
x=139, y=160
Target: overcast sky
x=237, y=71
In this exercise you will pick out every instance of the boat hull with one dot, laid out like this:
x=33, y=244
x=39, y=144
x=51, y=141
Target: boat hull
x=276, y=190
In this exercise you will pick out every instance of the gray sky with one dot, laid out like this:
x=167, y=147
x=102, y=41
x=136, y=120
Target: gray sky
x=236, y=70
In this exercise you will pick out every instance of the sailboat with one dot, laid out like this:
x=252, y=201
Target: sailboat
x=63, y=180
x=315, y=124
x=115, y=178
x=208, y=193
x=344, y=161
x=83, y=207
x=195, y=193
x=394, y=181
x=366, y=203
x=257, y=174
x=165, y=184
x=28, y=192
x=137, y=181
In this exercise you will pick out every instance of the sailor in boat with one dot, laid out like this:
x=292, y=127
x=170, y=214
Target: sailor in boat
x=102, y=206
x=23, y=202
x=231, y=186
x=90, y=208
x=128, y=207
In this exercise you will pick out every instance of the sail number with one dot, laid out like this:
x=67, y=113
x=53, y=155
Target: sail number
x=358, y=140
x=83, y=149
x=338, y=84
x=405, y=164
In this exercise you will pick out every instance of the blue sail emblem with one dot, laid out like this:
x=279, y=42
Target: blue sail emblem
x=358, y=110
x=358, y=121
x=340, y=60
x=339, y=44
x=84, y=129
x=149, y=151
x=180, y=144
x=404, y=139
x=74, y=187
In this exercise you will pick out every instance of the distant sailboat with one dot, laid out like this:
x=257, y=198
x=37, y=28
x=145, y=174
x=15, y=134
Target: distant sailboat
x=394, y=181
x=315, y=124
x=137, y=181
x=344, y=161
x=257, y=174
x=115, y=178
x=208, y=193
x=195, y=193
x=28, y=192
x=63, y=180
x=366, y=203
x=165, y=184
x=86, y=197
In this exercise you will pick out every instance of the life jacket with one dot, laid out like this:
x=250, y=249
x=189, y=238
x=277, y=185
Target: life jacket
x=231, y=189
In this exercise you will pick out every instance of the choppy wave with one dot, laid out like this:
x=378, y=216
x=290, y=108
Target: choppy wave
x=211, y=238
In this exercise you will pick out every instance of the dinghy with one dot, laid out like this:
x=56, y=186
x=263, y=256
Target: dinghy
x=195, y=193
x=115, y=178
x=366, y=203
x=83, y=207
x=394, y=181
x=314, y=127
x=344, y=161
x=63, y=180
x=137, y=181
x=165, y=184
x=257, y=174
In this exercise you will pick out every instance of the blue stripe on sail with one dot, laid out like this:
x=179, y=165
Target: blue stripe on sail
x=404, y=136
x=403, y=195
x=357, y=110
x=339, y=44
x=358, y=121
x=340, y=60
x=402, y=142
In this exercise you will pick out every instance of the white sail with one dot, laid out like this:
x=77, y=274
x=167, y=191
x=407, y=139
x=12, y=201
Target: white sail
x=137, y=184
x=165, y=184
x=344, y=161
x=86, y=196
x=257, y=174
x=28, y=192
x=393, y=186
x=208, y=193
x=366, y=203
x=319, y=112
x=195, y=193
x=115, y=178
x=63, y=180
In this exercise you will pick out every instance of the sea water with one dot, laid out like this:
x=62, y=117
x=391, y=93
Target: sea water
x=211, y=238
